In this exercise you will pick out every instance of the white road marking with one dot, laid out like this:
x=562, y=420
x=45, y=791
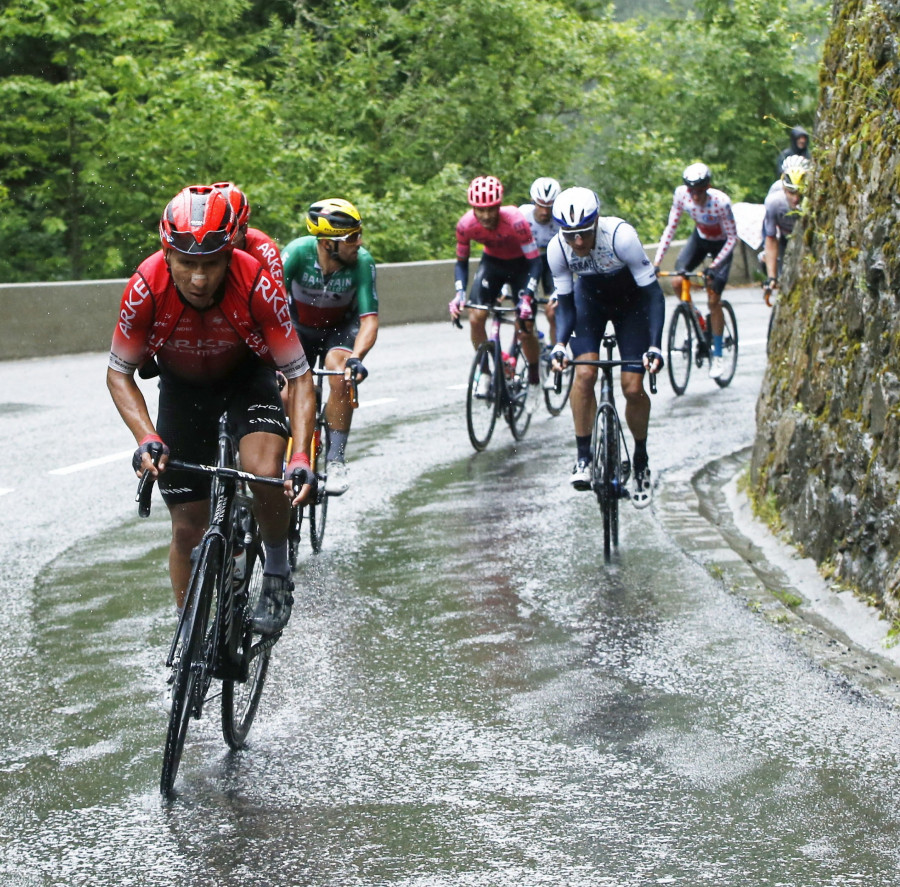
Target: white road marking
x=6, y=490
x=462, y=387
x=92, y=463
x=375, y=403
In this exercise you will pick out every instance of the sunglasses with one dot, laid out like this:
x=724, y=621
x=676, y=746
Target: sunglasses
x=212, y=242
x=583, y=233
x=352, y=237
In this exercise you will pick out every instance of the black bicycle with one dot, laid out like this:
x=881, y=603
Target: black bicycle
x=610, y=471
x=498, y=383
x=317, y=509
x=215, y=637
x=691, y=338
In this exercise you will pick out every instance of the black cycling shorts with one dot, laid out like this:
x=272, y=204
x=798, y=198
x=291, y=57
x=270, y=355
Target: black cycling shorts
x=617, y=298
x=188, y=422
x=492, y=273
x=318, y=342
x=696, y=250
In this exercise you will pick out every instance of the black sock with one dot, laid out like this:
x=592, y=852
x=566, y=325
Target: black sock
x=583, y=445
x=640, y=455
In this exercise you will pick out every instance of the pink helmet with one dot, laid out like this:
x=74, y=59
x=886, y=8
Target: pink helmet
x=485, y=191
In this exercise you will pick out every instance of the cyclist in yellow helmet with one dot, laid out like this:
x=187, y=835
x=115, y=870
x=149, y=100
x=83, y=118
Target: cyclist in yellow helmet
x=330, y=279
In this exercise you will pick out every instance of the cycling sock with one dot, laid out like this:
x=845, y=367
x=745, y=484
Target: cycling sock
x=717, y=345
x=640, y=455
x=534, y=374
x=277, y=560
x=336, y=446
x=583, y=445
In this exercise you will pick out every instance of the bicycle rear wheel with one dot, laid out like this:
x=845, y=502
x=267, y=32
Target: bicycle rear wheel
x=240, y=699
x=318, y=510
x=483, y=395
x=191, y=666
x=681, y=348
x=729, y=346
x=605, y=468
x=518, y=389
x=553, y=400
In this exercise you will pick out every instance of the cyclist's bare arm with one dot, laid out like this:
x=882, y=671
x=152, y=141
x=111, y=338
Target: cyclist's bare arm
x=132, y=407
x=301, y=407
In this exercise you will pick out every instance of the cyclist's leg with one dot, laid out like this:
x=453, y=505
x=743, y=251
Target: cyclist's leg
x=690, y=256
x=188, y=421
x=480, y=293
x=720, y=278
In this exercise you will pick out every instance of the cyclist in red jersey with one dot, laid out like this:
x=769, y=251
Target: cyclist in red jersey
x=252, y=240
x=510, y=256
x=218, y=325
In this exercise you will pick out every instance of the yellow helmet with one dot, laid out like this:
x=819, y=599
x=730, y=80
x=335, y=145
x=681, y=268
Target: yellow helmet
x=794, y=169
x=333, y=218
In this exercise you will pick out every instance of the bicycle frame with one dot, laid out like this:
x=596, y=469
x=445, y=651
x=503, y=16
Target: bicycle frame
x=507, y=383
x=609, y=471
x=690, y=339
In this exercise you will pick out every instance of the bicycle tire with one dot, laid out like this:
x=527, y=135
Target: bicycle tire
x=553, y=400
x=605, y=469
x=191, y=670
x=482, y=409
x=318, y=510
x=240, y=699
x=518, y=390
x=729, y=345
x=680, y=348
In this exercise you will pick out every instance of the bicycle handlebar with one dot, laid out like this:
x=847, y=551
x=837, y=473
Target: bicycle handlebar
x=607, y=364
x=354, y=383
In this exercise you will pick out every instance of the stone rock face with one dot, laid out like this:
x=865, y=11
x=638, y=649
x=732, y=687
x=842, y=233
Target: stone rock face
x=827, y=451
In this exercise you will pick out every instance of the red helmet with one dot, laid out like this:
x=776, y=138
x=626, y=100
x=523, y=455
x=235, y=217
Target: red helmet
x=198, y=221
x=237, y=199
x=485, y=191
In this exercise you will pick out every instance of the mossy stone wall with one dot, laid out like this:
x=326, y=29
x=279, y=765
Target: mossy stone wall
x=827, y=452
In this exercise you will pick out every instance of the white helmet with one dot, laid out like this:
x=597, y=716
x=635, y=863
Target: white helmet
x=697, y=175
x=544, y=191
x=576, y=209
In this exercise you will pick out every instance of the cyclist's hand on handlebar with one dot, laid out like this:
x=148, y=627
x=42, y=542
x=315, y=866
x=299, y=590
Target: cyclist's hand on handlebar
x=456, y=304
x=768, y=288
x=653, y=359
x=300, y=482
x=558, y=358
x=709, y=276
x=525, y=305
x=151, y=455
x=354, y=369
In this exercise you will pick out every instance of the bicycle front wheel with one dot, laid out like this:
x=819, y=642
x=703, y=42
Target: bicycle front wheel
x=606, y=471
x=681, y=348
x=517, y=413
x=553, y=400
x=190, y=677
x=318, y=510
x=483, y=396
x=729, y=345
x=240, y=699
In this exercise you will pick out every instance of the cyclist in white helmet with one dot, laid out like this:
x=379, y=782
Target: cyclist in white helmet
x=715, y=235
x=602, y=274
x=539, y=216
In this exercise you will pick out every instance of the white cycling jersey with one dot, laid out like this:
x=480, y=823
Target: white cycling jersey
x=617, y=246
x=715, y=221
x=543, y=234
x=780, y=217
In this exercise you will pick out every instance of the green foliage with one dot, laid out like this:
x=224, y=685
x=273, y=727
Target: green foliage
x=107, y=109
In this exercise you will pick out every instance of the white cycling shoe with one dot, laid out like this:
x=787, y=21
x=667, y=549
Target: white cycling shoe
x=641, y=488
x=716, y=367
x=337, y=478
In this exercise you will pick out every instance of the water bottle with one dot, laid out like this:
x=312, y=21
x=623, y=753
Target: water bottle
x=509, y=364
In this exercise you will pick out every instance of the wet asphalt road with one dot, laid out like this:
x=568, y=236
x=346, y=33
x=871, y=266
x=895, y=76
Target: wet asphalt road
x=466, y=695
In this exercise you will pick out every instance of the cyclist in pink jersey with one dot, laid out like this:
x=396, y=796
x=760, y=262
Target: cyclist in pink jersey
x=218, y=325
x=252, y=240
x=510, y=256
x=715, y=235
